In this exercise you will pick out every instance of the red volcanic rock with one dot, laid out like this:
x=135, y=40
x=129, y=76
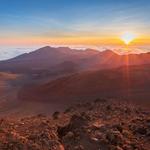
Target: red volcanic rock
x=80, y=129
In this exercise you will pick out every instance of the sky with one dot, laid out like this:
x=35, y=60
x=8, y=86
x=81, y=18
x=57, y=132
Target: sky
x=28, y=23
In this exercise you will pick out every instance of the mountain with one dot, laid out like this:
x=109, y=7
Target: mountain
x=109, y=59
x=44, y=58
x=58, y=59
x=128, y=83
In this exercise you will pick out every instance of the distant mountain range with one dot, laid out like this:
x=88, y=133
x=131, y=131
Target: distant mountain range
x=45, y=58
x=50, y=58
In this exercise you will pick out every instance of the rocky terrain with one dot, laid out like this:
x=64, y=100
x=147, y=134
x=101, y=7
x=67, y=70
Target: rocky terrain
x=98, y=125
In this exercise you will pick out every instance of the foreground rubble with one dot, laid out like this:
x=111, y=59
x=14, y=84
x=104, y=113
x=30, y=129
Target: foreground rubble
x=99, y=125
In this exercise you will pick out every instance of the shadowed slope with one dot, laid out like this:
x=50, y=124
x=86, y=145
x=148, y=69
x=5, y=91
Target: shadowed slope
x=131, y=83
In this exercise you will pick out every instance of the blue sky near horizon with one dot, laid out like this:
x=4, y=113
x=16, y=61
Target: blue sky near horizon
x=23, y=22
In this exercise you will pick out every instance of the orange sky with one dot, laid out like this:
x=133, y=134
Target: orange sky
x=71, y=41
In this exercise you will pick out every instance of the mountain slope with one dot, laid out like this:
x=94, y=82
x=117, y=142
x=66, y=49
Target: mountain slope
x=130, y=83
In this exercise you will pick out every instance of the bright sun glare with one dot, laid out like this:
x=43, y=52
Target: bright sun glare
x=128, y=37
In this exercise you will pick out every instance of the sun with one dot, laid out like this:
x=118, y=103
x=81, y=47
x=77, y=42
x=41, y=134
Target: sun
x=128, y=37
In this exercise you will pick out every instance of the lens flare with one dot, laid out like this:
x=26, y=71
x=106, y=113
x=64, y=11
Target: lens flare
x=128, y=37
